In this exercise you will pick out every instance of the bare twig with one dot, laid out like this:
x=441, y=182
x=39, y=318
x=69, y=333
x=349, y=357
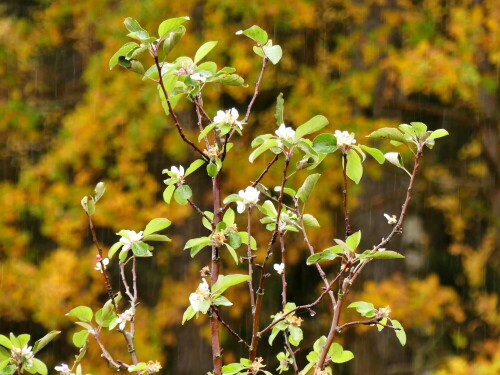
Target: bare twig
x=344, y=194
x=228, y=327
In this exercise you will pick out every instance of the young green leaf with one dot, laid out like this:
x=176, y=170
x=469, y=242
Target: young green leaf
x=83, y=313
x=170, y=25
x=375, y=153
x=123, y=51
x=255, y=33
x=389, y=133
x=280, y=108
x=262, y=148
x=168, y=192
x=325, y=143
x=400, y=334
x=305, y=190
x=194, y=166
x=438, y=134
x=354, y=167
x=273, y=53
x=225, y=282
x=188, y=314
x=313, y=125
x=353, y=240
x=156, y=225
x=40, y=344
x=204, y=50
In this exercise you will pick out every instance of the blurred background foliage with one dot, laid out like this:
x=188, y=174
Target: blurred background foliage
x=67, y=122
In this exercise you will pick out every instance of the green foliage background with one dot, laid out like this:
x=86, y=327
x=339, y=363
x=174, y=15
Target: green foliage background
x=67, y=122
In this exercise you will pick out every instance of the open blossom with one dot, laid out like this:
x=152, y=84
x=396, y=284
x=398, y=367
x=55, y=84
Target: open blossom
x=285, y=133
x=391, y=219
x=198, y=77
x=132, y=237
x=279, y=268
x=18, y=355
x=177, y=172
x=250, y=197
x=125, y=317
x=63, y=369
x=202, y=294
x=100, y=263
x=344, y=138
x=229, y=117
x=256, y=365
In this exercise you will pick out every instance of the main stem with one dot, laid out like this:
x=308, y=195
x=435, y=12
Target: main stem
x=214, y=323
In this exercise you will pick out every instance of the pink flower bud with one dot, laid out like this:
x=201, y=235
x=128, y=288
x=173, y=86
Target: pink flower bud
x=98, y=257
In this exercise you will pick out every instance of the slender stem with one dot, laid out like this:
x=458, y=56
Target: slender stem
x=344, y=194
x=311, y=248
x=124, y=282
x=250, y=261
x=199, y=210
x=214, y=325
x=200, y=119
x=172, y=113
x=256, y=92
x=375, y=320
x=291, y=352
x=106, y=355
x=228, y=327
x=331, y=334
x=283, y=273
x=260, y=290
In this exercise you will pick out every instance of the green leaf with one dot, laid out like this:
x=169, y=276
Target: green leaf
x=296, y=335
x=138, y=367
x=83, y=313
x=325, y=143
x=310, y=220
x=224, y=282
x=188, y=314
x=438, y=134
x=134, y=27
x=234, y=240
x=244, y=239
x=212, y=169
x=208, y=66
x=38, y=366
x=39, y=344
x=419, y=127
x=389, y=133
x=366, y=309
x=168, y=192
x=262, y=148
x=354, y=168
x=232, y=252
x=197, y=242
x=3, y=363
x=232, y=369
x=205, y=222
x=156, y=237
x=353, y=240
x=305, y=190
x=88, y=204
x=4, y=341
x=229, y=217
x=222, y=301
x=172, y=38
x=156, y=225
x=273, y=53
x=170, y=25
x=313, y=125
x=79, y=338
x=255, y=33
x=400, y=334
x=386, y=254
x=141, y=249
x=230, y=80
x=338, y=354
x=280, y=108
x=327, y=254
x=23, y=339
x=123, y=51
x=204, y=50
x=194, y=166
x=182, y=194
x=206, y=130
x=395, y=158
x=375, y=153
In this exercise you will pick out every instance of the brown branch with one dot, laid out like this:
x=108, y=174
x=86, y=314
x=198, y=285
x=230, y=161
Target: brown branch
x=200, y=120
x=173, y=114
x=283, y=276
x=256, y=92
x=370, y=322
x=228, y=327
x=199, y=210
x=250, y=261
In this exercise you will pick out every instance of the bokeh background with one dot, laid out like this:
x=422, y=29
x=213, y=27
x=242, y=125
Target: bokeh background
x=67, y=122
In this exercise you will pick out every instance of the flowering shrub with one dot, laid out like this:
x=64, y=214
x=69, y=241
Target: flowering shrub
x=281, y=206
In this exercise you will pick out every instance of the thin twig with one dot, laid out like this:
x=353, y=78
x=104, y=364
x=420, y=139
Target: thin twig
x=228, y=327
x=199, y=210
x=250, y=260
x=344, y=194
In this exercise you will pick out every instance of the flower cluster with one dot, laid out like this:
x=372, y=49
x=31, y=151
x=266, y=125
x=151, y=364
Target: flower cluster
x=279, y=268
x=125, y=317
x=131, y=237
x=344, y=139
x=284, y=133
x=101, y=264
x=153, y=367
x=249, y=197
x=197, y=77
x=229, y=117
x=63, y=369
x=202, y=294
x=20, y=355
x=256, y=365
x=177, y=172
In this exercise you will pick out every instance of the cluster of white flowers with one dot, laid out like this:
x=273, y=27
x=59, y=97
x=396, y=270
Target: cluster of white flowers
x=202, y=294
x=279, y=268
x=249, y=197
x=125, y=317
x=177, y=172
x=391, y=220
x=229, y=117
x=286, y=134
x=132, y=237
x=18, y=355
x=344, y=139
x=101, y=265
x=63, y=369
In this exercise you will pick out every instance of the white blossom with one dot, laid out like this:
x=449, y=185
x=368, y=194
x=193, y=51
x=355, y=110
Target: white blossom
x=153, y=367
x=280, y=268
x=198, y=77
x=229, y=117
x=132, y=236
x=63, y=369
x=249, y=196
x=285, y=133
x=202, y=294
x=391, y=219
x=18, y=355
x=344, y=138
x=177, y=172
x=393, y=158
x=125, y=317
x=99, y=266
